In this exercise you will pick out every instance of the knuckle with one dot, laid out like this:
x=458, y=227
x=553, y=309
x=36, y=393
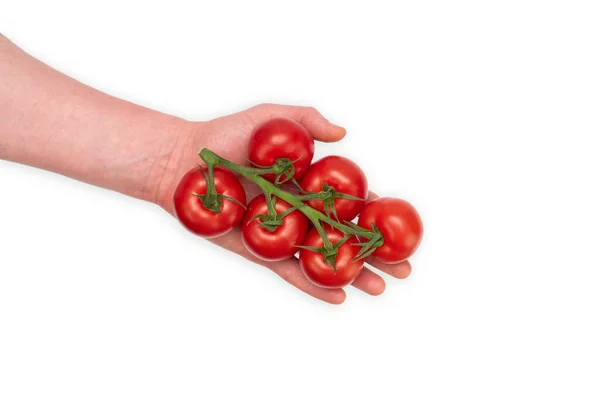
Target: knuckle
x=292, y=275
x=311, y=110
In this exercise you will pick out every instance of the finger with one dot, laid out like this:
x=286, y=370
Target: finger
x=309, y=117
x=400, y=271
x=290, y=271
x=369, y=282
x=318, y=125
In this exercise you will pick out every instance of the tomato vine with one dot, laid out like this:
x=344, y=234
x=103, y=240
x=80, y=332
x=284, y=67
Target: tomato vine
x=284, y=168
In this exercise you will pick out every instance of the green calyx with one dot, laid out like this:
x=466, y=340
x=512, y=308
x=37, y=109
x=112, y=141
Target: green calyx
x=328, y=194
x=329, y=251
x=368, y=247
x=272, y=220
x=283, y=169
x=268, y=222
x=212, y=200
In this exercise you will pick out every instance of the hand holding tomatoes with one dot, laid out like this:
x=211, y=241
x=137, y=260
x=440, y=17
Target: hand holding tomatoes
x=332, y=192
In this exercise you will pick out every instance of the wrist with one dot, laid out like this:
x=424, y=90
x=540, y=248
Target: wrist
x=174, y=159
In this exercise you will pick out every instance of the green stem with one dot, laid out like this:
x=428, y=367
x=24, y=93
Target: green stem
x=270, y=205
x=210, y=184
x=212, y=159
x=326, y=242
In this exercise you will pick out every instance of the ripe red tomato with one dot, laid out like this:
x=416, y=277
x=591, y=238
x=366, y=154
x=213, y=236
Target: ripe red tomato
x=345, y=177
x=283, y=241
x=400, y=225
x=190, y=209
x=281, y=138
x=319, y=272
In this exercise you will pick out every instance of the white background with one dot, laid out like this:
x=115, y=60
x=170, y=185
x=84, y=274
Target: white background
x=485, y=115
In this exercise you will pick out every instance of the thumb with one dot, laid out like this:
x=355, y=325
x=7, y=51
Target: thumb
x=309, y=117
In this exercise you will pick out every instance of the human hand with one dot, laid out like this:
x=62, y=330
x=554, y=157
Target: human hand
x=228, y=137
x=104, y=141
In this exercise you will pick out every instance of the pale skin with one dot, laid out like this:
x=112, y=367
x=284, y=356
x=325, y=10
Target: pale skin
x=51, y=121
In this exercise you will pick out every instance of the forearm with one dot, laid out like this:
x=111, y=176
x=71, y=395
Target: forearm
x=51, y=121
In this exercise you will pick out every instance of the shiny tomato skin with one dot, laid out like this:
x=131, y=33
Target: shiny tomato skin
x=345, y=177
x=190, y=211
x=400, y=225
x=281, y=138
x=320, y=273
x=280, y=244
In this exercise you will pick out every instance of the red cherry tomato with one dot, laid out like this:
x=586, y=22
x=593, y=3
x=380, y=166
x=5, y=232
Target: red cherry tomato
x=345, y=177
x=283, y=241
x=400, y=225
x=319, y=272
x=281, y=138
x=194, y=216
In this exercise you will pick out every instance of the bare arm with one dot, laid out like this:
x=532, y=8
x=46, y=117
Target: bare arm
x=51, y=121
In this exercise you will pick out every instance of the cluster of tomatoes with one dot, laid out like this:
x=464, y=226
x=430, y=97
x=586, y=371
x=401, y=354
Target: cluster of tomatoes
x=210, y=201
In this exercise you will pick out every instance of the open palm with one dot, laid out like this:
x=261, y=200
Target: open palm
x=228, y=136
